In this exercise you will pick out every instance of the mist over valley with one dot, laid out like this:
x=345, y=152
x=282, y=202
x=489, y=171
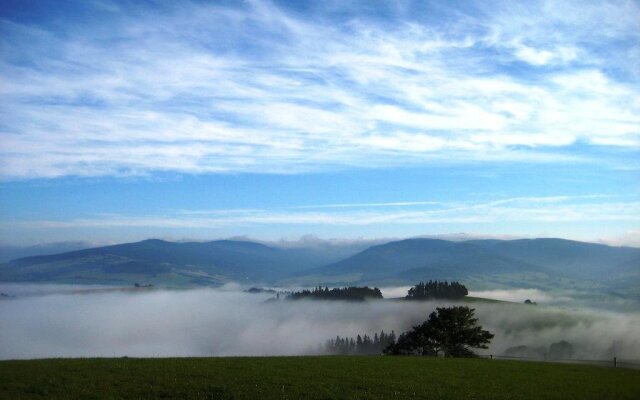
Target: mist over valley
x=71, y=321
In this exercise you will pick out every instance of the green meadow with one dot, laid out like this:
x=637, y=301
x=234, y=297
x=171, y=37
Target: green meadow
x=312, y=377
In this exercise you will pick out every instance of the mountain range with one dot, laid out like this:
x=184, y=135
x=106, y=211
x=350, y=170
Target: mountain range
x=174, y=263
x=153, y=261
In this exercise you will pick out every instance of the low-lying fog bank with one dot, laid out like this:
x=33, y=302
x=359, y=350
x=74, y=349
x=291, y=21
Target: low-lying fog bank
x=227, y=321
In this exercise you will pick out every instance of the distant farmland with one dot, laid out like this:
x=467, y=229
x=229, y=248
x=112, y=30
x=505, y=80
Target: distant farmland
x=325, y=377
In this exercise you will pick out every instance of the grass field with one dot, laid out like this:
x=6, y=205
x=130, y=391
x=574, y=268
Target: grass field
x=374, y=377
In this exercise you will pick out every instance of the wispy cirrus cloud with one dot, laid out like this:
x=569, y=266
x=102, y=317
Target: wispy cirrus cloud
x=263, y=87
x=552, y=209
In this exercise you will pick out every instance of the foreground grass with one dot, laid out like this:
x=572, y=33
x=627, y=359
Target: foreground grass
x=312, y=378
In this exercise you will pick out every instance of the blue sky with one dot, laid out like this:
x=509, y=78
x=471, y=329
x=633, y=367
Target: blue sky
x=202, y=120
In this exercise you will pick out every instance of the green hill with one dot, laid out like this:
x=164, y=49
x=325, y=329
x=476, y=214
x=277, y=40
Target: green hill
x=547, y=263
x=571, y=258
x=334, y=377
x=446, y=259
x=174, y=263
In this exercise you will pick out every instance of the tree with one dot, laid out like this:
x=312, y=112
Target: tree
x=437, y=290
x=362, y=345
x=561, y=350
x=351, y=293
x=451, y=331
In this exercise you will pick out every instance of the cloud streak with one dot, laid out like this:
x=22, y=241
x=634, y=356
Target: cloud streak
x=260, y=87
x=522, y=209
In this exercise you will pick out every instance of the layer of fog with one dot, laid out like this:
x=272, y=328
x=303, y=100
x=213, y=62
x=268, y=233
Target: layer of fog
x=40, y=289
x=520, y=295
x=229, y=322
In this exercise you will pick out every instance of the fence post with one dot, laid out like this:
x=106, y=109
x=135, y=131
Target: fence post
x=615, y=362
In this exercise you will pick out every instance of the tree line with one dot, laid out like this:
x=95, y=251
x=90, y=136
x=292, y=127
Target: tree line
x=421, y=291
x=351, y=293
x=448, y=331
x=437, y=290
x=360, y=345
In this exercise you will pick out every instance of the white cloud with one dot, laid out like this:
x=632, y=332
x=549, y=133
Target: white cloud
x=520, y=295
x=628, y=238
x=533, y=56
x=209, y=89
x=554, y=209
x=540, y=57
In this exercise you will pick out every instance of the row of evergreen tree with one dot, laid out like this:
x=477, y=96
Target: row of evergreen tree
x=437, y=290
x=361, y=345
x=422, y=291
x=352, y=293
x=448, y=331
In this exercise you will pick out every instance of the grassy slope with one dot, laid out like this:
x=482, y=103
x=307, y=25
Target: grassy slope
x=312, y=378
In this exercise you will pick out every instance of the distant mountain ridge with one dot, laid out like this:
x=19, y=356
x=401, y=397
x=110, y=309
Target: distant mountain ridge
x=522, y=262
x=410, y=254
x=159, y=261
x=403, y=262
x=9, y=252
x=567, y=256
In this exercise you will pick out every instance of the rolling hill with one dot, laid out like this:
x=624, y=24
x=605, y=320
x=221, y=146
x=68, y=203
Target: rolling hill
x=586, y=260
x=444, y=258
x=540, y=261
x=163, y=262
x=536, y=260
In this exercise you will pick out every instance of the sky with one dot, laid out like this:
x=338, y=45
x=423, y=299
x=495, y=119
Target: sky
x=125, y=120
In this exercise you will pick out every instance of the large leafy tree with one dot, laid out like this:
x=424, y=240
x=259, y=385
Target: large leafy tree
x=451, y=331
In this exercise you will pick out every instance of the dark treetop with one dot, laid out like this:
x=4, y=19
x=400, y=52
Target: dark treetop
x=437, y=290
x=351, y=293
x=451, y=331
